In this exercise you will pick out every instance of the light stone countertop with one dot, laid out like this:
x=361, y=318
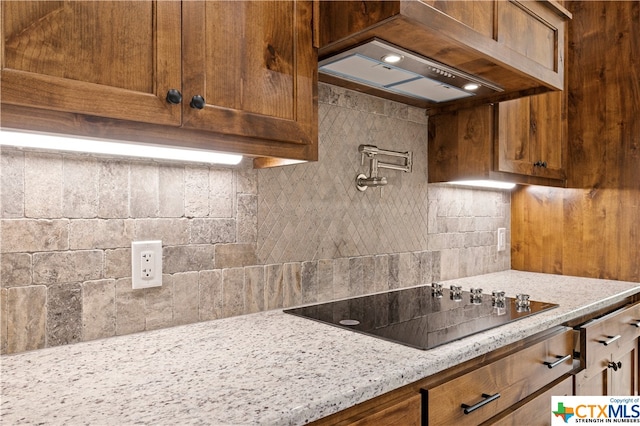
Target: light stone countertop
x=267, y=368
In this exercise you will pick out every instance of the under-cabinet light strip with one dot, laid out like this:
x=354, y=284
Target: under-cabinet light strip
x=494, y=184
x=97, y=146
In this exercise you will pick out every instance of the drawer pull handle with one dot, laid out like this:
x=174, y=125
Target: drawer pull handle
x=636, y=324
x=561, y=360
x=487, y=399
x=610, y=340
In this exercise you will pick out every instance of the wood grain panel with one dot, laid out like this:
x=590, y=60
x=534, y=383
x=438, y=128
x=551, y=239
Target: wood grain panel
x=598, y=221
x=478, y=15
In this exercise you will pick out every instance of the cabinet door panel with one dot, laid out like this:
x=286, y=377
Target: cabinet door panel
x=255, y=65
x=531, y=130
x=111, y=59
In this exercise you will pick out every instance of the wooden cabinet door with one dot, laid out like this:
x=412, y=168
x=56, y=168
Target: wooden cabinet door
x=531, y=134
x=609, y=380
x=112, y=59
x=254, y=65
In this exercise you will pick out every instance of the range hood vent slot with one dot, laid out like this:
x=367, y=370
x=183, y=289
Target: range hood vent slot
x=413, y=76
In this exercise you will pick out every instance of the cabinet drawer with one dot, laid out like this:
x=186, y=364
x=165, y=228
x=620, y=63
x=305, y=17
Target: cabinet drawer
x=602, y=337
x=499, y=384
x=532, y=413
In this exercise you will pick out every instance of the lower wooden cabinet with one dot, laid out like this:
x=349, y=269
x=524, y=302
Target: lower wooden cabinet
x=480, y=394
x=609, y=354
x=535, y=410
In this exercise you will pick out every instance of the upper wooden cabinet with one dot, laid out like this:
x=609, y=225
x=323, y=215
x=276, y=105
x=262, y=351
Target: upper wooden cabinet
x=520, y=141
x=245, y=72
x=518, y=45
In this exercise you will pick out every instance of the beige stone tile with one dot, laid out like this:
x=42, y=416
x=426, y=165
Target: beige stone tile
x=247, y=179
x=11, y=183
x=325, y=280
x=171, y=191
x=100, y=233
x=234, y=255
x=210, y=291
x=113, y=189
x=158, y=303
x=98, y=309
x=3, y=321
x=143, y=190
x=355, y=276
x=341, y=278
x=26, y=318
x=292, y=285
x=409, y=270
x=274, y=286
x=309, y=282
x=394, y=271
x=187, y=258
x=254, y=288
x=381, y=273
x=247, y=218
x=186, y=298
x=130, y=308
x=64, y=314
x=212, y=231
x=117, y=263
x=67, y=266
x=221, y=195
x=196, y=192
x=43, y=183
x=232, y=292
x=15, y=269
x=30, y=235
x=80, y=190
x=172, y=231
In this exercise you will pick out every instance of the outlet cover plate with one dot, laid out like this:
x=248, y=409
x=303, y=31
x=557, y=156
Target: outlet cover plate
x=502, y=239
x=146, y=264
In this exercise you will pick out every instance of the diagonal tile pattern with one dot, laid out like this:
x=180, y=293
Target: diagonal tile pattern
x=314, y=211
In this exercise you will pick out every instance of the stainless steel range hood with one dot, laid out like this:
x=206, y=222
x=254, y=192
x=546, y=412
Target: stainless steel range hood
x=412, y=75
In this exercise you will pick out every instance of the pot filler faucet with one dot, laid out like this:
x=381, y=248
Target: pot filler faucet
x=363, y=181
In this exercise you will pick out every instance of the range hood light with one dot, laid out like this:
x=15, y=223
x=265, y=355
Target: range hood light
x=392, y=58
x=471, y=86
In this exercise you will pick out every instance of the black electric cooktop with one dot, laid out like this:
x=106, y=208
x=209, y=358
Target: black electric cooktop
x=416, y=317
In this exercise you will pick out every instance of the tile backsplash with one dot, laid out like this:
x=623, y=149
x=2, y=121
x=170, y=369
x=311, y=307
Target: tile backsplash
x=235, y=240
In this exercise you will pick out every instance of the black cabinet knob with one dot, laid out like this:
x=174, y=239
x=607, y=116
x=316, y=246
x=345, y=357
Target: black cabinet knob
x=197, y=102
x=539, y=163
x=615, y=365
x=174, y=96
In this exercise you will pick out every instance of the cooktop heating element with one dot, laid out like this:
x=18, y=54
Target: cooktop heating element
x=424, y=317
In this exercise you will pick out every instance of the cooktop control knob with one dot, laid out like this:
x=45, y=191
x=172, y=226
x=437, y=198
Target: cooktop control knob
x=456, y=293
x=436, y=290
x=522, y=303
x=498, y=299
x=476, y=296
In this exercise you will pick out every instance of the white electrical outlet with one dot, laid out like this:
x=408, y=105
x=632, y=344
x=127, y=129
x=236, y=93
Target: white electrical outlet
x=502, y=239
x=146, y=264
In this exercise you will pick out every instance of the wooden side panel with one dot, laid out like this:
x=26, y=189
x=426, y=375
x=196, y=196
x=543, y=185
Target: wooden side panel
x=340, y=19
x=513, y=136
x=600, y=219
x=535, y=229
x=460, y=144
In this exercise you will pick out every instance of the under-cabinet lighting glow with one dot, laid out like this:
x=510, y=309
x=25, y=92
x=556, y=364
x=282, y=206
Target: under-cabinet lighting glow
x=97, y=146
x=485, y=184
